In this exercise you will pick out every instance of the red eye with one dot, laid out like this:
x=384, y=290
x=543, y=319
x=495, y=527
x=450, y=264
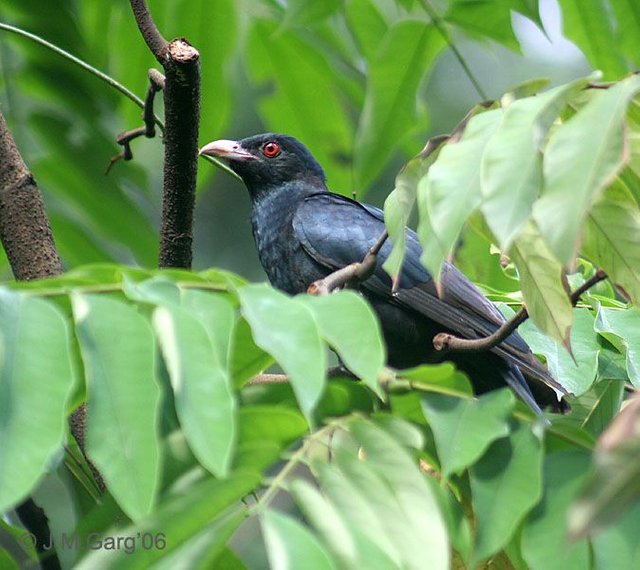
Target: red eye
x=271, y=149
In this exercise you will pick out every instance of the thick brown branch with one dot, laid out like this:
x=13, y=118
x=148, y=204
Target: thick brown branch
x=152, y=36
x=352, y=274
x=452, y=343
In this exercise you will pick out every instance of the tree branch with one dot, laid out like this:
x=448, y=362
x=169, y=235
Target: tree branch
x=181, y=63
x=452, y=343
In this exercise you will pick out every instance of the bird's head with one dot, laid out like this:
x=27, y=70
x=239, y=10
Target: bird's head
x=268, y=160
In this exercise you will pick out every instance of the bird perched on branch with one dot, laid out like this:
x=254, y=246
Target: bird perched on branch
x=303, y=233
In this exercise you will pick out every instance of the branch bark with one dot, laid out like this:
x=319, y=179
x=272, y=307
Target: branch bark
x=181, y=64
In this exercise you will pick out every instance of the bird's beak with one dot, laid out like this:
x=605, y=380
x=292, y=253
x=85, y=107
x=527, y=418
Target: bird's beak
x=228, y=150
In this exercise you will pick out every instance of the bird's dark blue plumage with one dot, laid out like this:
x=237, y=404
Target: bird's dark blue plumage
x=303, y=232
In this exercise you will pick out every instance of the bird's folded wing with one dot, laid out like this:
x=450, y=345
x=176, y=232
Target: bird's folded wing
x=336, y=231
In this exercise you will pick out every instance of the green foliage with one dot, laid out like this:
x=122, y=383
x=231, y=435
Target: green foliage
x=392, y=469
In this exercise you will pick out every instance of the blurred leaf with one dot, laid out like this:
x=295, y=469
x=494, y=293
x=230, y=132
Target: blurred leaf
x=269, y=423
x=424, y=542
x=119, y=354
x=577, y=379
x=588, y=25
x=299, y=82
x=174, y=523
x=288, y=542
x=201, y=386
x=349, y=325
x=367, y=25
x=306, y=12
x=36, y=381
x=487, y=18
x=541, y=283
x=505, y=484
x=451, y=189
x=399, y=203
x=511, y=169
x=583, y=154
x=617, y=546
x=614, y=483
x=627, y=14
x=544, y=542
x=403, y=58
x=612, y=238
x=463, y=429
x=287, y=330
x=624, y=325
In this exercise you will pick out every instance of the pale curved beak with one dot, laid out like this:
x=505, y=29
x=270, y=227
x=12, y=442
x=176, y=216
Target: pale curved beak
x=228, y=150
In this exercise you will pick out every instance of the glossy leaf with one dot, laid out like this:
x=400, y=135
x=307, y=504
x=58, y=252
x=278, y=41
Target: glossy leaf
x=626, y=326
x=612, y=238
x=119, y=354
x=505, y=484
x=288, y=542
x=426, y=543
x=541, y=282
x=511, y=169
x=348, y=324
x=463, y=429
x=36, y=381
x=399, y=203
x=575, y=374
x=202, y=388
x=451, y=189
x=583, y=154
x=286, y=329
x=403, y=57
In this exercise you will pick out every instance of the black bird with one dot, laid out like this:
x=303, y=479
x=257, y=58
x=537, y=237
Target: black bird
x=303, y=232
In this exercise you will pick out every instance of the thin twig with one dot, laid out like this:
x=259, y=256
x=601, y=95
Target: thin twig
x=152, y=36
x=452, y=343
x=352, y=274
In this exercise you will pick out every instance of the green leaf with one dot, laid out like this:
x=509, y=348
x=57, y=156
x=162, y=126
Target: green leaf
x=505, y=484
x=583, y=155
x=618, y=545
x=439, y=378
x=575, y=374
x=451, y=189
x=247, y=359
x=301, y=81
x=511, y=169
x=488, y=19
x=625, y=325
x=286, y=329
x=463, y=429
x=176, y=521
x=424, y=536
x=204, y=401
x=36, y=381
x=119, y=354
x=367, y=25
x=541, y=281
x=348, y=324
x=612, y=238
x=544, y=542
x=399, y=204
x=305, y=12
x=627, y=14
x=269, y=423
x=288, y=542
x=588, y=25
x=403, y=57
